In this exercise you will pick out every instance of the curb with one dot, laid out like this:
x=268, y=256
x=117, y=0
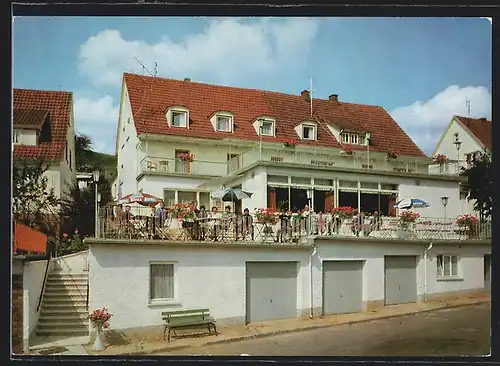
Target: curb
x=268, y=334
x=319, y=326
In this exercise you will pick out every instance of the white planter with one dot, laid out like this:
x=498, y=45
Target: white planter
x=98, y=345
x=346, y=228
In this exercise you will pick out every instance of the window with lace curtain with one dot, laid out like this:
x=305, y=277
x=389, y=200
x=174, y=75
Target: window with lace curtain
x=162, y=282
x=447, y=265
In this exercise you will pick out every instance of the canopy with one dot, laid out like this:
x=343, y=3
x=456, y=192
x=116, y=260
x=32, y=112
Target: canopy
x=142, y=198
x=231, y=194
x=408, y=203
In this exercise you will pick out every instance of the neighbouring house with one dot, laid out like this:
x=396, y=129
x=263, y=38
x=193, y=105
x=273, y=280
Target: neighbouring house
x=181, y=140
x=43, y=128
x=245, y=283
x=462, y=137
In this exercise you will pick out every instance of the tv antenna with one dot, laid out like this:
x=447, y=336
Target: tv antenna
x=145, y=68
x=467, y=104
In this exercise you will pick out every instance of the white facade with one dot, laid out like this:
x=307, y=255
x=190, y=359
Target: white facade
x=214, y=276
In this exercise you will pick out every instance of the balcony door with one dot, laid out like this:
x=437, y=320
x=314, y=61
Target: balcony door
x=181, y=166
x=233, y=163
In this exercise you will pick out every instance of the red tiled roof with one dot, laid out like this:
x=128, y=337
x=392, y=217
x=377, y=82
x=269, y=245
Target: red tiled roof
x=481, y=128
x=150, y=98
x=29, y=117
x=58, y=105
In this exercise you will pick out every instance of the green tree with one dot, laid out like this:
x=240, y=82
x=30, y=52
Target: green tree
x=33, y=203
x=479, y=184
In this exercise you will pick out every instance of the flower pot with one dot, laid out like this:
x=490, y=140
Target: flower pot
x=346, y=228
x=98, y=345
x=404, y=233
x=187, y=224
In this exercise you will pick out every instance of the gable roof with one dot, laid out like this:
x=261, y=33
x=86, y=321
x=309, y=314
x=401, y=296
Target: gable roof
x=29, y=118
x=151, y=97
x=57, y=105
x=479, y=127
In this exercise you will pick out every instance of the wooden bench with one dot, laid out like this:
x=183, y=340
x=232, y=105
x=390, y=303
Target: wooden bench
x=187, y=319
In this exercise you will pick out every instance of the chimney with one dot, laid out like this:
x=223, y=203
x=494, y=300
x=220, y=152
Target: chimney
x=305, y=94
x=187, y=79
x=334, y=98
x=483, y=119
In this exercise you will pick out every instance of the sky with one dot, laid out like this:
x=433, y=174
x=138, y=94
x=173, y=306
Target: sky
x=421, y=70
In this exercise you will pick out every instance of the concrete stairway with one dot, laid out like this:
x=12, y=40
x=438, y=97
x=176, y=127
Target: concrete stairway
x=64, y=306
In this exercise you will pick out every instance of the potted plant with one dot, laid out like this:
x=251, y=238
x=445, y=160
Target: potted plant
x=184, y=213
x=290, y=143
x=267, y=217
x=467, y=224
x=347, y=151
x=187, y=157
x=440, y=159
x=100, y=320
x=391, y=156
x=345, y=213
x=408, y=217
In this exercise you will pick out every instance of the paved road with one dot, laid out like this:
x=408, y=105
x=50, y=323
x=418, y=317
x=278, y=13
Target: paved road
x=449, y=332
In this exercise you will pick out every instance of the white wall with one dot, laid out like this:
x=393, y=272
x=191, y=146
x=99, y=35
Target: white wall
x=128, y=153
x=256, y=182
x=470, y=268
x=76, y=262
x=33, y=276
x=54, y=179
x=206, y=278
x=431, y=191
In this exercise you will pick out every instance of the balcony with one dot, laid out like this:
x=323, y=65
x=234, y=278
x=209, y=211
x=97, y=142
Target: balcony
x=160, y=165
x=291, y=229
x=299, y=155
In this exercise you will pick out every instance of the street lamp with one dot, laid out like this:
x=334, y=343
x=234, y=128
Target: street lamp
x=367, y=138
x=444, y=201
x=458, y=145
x=96, y=175
x=309, y=198
x=261, y=126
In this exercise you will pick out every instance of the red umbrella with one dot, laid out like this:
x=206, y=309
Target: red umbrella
x=142, y=198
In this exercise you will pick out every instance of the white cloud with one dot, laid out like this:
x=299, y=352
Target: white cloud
x=227, y=49
x=426, y=121
x=97, y=118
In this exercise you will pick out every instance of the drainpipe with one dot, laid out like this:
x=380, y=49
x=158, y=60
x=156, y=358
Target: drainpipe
x=311, y=282
x=425, y=270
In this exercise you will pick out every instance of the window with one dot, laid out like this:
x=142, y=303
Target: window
x=128, y=138
x=362, y=140
x=186, y=196
x=178, y=119
x=308, y=132
x=161, y=282
x=267, y=128
x=224, y=123
x=70, y=161
x=169, y=198
x=66, y=151
x=16, y=136
x=447, y=265
x=345, y=138
x=354, y=139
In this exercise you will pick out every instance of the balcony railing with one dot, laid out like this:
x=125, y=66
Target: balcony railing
x=358, y=160
x=169, y=165
x=288, y=228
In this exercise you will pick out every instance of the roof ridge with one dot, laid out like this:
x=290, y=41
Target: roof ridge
x=44, y=91
x=247, y=89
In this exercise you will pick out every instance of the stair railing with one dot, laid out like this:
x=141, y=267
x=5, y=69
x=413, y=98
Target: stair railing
x=42, y=291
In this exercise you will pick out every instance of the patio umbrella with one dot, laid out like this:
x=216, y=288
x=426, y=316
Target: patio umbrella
x=231, y=195
x=142, y=198
x=408, y=203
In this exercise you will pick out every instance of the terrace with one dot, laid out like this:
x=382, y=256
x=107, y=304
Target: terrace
x=282, y=228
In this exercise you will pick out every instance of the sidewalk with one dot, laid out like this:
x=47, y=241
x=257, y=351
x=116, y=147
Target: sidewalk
x=152, y=343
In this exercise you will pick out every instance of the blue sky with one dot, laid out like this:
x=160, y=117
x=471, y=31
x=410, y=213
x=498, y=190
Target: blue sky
x=421, y=70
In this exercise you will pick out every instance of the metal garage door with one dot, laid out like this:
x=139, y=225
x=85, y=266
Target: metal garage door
x=400, y=279
x=271, y=291
x=342, y=287
x=487, y=273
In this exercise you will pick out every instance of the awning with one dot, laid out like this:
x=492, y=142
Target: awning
x=220, y=181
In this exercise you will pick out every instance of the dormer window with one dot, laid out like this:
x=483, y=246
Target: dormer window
x=224, y=123
x=267, y=128
x=178, y=116
x=345, y=138
x=179, y=119
x=308, y=132
x=354, y=139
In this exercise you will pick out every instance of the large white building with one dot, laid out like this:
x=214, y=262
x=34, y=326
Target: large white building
x=43, y=128
x=347, y=154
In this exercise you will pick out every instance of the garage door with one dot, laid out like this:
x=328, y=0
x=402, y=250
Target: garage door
x=487, y=273
x=271, y=291
x=342, y=287
x=400, y=279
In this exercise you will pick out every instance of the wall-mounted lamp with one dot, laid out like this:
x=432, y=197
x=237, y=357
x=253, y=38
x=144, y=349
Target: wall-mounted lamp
x=444, y=201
